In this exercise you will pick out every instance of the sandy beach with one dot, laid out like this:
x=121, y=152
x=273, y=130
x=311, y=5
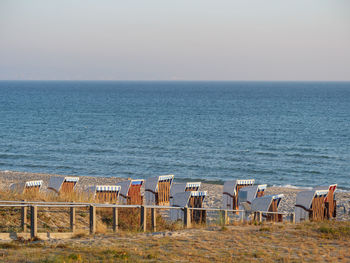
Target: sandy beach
x=213, y=199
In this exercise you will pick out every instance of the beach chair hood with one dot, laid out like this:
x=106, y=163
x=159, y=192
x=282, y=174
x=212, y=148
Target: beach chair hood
x=104, y=188
x=249, y=193
x=181, y=187
x=124, y=188
x=263, y=203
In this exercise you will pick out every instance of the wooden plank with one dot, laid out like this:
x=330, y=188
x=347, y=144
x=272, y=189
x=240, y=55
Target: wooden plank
x=24, y=212
x=187, y=217
x=154, y=219
x=92, y=219
x=115, y=219
x=72, y=219
x=143, y=221
x=33, y=221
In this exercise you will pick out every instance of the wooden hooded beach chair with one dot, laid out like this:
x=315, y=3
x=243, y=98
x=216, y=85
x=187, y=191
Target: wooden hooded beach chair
x=184, y=187
x=330, y=202
x=157, y=190
x=249, y=193
x=311, y=205
x=105, y=193
x=231, y=190
x=193, y=199
x=130, y=192
x=268, y=203
x=63, y=185
x=27, y=187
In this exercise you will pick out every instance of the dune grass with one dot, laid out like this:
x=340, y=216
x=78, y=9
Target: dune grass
x=240, y=243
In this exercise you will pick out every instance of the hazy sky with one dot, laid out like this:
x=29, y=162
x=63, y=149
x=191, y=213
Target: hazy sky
x=178, y=39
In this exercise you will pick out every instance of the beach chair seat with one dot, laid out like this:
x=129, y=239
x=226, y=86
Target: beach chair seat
x=130, y=192
x=105, y=193
x=191, y=199
x=63, y=185
x=268, y=203
x=27, y=187
x=157, y=190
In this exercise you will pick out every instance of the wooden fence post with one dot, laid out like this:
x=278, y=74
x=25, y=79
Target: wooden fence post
x=115, y=219
x=242, y=216
x=187, y=217
x=259, y=215
x=292, y=218
x=33, y=221
x=92, y=219
x=224, y=217
x=72, y=219
x=154, y=219
x=24, y=211
x=143, y=221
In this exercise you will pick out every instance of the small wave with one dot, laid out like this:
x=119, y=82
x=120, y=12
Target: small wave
x=267, y=154
x=293, y=186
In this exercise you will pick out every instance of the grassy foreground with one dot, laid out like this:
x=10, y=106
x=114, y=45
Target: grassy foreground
x=308, y=242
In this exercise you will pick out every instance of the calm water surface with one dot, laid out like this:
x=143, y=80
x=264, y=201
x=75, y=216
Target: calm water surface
x=279, y=133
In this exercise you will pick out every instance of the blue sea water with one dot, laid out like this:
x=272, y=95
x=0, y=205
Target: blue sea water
x=280, y=133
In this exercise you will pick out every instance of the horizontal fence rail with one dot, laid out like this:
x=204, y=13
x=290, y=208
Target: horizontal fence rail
x=30, y=208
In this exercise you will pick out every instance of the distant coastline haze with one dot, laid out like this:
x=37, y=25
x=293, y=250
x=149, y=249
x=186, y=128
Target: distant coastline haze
x=175, y=40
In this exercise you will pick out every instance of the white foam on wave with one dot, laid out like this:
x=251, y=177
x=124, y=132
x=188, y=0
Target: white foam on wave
x=308, y=188
x=293, y=187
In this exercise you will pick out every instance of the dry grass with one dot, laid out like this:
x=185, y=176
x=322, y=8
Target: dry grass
x=57, y=219
x=241, y=243
x=307, y=242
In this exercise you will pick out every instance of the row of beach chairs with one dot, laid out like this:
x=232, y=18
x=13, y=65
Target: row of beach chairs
x=316, y=204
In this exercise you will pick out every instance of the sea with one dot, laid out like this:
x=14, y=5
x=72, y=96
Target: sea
x=281, y=133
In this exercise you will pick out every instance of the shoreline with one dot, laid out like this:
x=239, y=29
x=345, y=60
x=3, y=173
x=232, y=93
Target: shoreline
x=213, y=199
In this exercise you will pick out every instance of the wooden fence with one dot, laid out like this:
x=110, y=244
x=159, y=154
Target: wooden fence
x=32, y=207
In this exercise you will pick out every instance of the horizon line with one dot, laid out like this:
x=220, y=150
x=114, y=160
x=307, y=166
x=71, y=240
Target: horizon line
x=167, y=80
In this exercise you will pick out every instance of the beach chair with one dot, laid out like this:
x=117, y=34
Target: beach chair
x=330, y=202
x=130, y=192
x=310, y=205
x=105, y=193
x=192, y=199
x=63, y=185
x=231, y=190
x=184, y=187
x=27, y=187
x=157, y=190
x=249, y=193
x=268, y=203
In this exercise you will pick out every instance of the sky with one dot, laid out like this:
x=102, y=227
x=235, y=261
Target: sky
x=299, y=40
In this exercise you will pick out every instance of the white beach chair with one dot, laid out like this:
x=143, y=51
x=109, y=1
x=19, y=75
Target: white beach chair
x=29, y=186
x=157, y=190
x=193, y=199
x=310, y=205
x=130, y=192
x=330, y=202
x=105, y=193
x=64, y=185
x=231, y=190
x=268, y=203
